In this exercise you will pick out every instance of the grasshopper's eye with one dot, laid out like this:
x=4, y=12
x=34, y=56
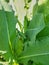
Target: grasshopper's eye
x=29, y=1
x=7, y=0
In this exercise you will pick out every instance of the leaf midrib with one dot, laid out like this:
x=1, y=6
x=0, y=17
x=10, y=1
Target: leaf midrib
x=34, y=55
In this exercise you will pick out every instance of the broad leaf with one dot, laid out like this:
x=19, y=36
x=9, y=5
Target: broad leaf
x=38, y=52
x=36, y=25
x=7, y=29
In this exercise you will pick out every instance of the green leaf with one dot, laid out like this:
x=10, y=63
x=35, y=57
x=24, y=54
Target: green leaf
x=44, y=8
x=35, y=26
x=7, y=29
x=38, y=52
x=45, y=31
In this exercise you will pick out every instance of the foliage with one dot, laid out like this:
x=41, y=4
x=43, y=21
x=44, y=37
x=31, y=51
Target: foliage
x=30, y=46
